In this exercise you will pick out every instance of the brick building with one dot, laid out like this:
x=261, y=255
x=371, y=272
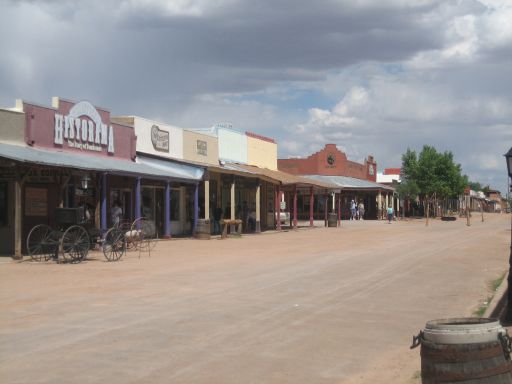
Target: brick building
x=330, y=161
x=357, y=181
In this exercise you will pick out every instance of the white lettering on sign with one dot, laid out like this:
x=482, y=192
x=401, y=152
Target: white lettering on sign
x=90, y=134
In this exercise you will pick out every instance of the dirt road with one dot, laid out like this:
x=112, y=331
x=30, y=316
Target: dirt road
x=323, y=305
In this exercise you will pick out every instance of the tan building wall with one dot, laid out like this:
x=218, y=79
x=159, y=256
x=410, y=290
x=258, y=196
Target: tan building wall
x=200, y=148
x=261, y=152
x=12, y=126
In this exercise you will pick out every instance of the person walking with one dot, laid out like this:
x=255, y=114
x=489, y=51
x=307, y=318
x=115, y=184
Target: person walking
x=352, y=210
x=390, y=213
x=360, y=209
x=116, y=213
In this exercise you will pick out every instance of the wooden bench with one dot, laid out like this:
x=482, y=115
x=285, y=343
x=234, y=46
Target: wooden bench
x=226, y=222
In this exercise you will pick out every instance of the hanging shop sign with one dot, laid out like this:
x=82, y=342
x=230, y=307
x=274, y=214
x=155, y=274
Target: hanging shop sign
x=82, y=128
x=159, y=139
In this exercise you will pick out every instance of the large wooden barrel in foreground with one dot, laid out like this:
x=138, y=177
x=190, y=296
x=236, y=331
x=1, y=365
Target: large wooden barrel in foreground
x=465, y=350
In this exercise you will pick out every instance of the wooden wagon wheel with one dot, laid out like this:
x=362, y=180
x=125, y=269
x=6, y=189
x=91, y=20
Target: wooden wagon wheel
x=42, y=243
x=126, y=227
x=75, y=243
x=144, y=233
x=114, y=244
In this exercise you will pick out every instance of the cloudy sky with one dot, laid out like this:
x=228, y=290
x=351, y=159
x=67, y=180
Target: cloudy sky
x=372, y=76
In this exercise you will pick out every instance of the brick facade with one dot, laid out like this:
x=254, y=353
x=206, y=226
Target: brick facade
x=330, y=161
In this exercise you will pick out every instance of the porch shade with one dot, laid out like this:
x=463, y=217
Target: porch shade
x=351, y=183
x=151, y=169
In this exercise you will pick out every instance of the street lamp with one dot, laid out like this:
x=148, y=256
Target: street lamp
x=85, y=180
x=508, y=157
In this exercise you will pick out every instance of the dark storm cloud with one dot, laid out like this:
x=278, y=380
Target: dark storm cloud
x=284, y=34
x=390, y=74
x=236, y=47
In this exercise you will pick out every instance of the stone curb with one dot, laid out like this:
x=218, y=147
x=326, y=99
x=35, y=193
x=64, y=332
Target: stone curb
x=497, y=304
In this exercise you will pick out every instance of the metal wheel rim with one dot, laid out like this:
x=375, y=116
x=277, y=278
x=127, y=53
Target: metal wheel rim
x=114, y=244
x=146, y=240
x=75, y=243
x=127, y=227
x=40, y=244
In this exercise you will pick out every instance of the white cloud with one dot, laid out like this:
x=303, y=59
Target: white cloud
x=372, y=77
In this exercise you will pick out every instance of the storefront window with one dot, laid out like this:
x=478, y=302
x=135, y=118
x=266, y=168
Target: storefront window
x=147, y=203
x=3, y=204
x=175, y=204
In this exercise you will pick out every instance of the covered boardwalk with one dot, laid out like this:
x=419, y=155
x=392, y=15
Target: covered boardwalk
x=290, y=189
x=374, y=196
x=43, y=180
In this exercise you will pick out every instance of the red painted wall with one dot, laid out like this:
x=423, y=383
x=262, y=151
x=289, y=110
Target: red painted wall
x=329, y=161
x=40, y=131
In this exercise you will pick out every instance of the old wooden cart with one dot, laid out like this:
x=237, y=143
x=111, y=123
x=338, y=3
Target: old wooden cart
x=139, y=235
x=74, y=236
x=70, y=241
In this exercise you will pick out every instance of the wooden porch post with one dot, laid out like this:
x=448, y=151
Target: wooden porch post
x=379, y=206
x=311, y=204
x=207, y=199
x=18, y=213
x=278, y=208
x=167, y=213
x=137, y=199
x=258, y=208
x=397, y=207
x=325, y=206
x=339, y=209
x=103, y=218
x=295, y=206
x=196, y=209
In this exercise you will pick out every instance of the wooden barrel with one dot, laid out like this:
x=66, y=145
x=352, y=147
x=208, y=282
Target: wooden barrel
x=332, y=220
x=470, y=350
x=203, y=229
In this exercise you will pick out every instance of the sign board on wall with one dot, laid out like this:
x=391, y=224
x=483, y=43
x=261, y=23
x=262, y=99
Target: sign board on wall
x=82, y=128
x=232, y=146
x=202, y=147
x=36, y=202
x=159, y=139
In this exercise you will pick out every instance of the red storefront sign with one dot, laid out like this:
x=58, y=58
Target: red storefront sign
x=78, y=127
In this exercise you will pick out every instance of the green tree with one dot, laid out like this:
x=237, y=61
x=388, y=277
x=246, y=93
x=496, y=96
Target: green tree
x=434, y=175
x=475, y=186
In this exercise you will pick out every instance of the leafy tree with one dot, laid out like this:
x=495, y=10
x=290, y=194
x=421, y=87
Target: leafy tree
x=408, y=189
x=475, y=186
x=435, y=175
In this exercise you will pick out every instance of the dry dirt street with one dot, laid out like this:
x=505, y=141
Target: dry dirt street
x=323, y=305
